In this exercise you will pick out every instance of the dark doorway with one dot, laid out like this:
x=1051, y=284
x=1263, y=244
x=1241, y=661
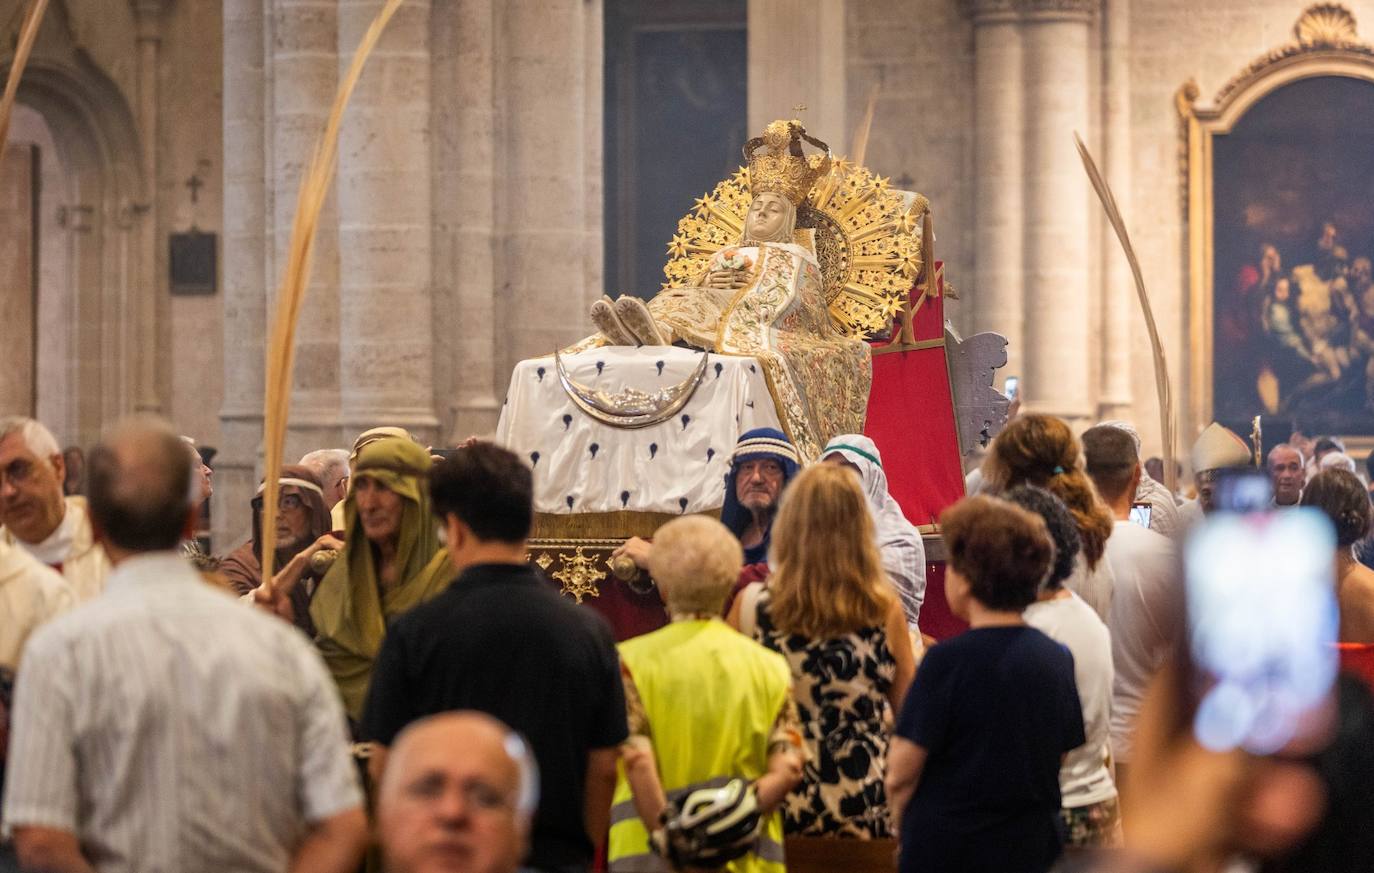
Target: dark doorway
x=675, y=116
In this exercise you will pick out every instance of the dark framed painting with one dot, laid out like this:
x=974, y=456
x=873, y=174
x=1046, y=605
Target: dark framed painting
x=1280, y=209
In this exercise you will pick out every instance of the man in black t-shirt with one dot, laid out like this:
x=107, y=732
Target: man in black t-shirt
x=500, y=641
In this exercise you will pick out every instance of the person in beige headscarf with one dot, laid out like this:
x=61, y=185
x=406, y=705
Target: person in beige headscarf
x=391, y=561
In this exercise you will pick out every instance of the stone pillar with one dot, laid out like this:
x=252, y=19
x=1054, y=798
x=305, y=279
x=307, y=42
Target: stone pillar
x=245, y=260
x=1120, y=308
x=1056, y=216
x=464, y=127
x=797, y=56
x=999, y=209
x=143, y=339
x=304, y=36
x=549, y=234
x=385, y=308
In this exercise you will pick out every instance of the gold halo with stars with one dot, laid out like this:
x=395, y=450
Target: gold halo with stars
x=868, y=241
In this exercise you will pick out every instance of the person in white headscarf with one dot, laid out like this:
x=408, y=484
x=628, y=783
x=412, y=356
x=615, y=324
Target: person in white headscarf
x=1165, y=517
x=904, y=555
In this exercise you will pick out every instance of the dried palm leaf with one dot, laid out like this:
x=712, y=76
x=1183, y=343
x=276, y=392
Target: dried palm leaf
x=858, y=145
x=28, y=33
x=281, y=342
x=1167, y=423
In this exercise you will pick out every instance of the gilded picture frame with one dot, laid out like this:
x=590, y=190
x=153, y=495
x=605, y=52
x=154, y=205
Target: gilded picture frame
x=1325, y=52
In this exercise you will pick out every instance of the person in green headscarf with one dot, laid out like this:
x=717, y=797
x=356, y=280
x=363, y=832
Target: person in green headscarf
x=391, y=562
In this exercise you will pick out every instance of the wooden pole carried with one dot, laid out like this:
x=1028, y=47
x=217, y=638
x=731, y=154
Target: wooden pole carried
x=28, y=34
x=281, y=342
x=1167, y=421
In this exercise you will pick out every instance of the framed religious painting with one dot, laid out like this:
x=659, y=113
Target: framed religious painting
x=1280, y=210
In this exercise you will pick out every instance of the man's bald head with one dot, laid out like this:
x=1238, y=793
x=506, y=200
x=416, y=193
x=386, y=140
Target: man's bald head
x=457, y=796
x=142, y=493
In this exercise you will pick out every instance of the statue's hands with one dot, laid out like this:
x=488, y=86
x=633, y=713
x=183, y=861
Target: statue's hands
x=727, y=280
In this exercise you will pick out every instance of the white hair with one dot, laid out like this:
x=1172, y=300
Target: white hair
x=1337, y=461
x=324, y=460
x=38, y=438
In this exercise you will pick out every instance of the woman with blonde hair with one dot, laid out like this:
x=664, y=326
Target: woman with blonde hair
x=1041, y=450
x=829, y=608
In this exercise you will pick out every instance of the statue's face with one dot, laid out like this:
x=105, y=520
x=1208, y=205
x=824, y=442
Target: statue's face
x=767, y=218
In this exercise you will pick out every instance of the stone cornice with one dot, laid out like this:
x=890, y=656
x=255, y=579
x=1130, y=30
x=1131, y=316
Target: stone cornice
x=1002, y=9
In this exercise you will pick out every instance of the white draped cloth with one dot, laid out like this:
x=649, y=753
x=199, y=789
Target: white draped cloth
x=677, y=466
x=899, y=542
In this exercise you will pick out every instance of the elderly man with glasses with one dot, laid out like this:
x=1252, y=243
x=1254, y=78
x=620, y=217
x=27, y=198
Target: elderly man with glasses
x=37, y=517
x=458, y=795
x=303, y=528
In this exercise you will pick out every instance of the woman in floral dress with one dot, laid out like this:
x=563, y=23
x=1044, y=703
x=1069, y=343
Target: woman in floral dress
x=831, y=611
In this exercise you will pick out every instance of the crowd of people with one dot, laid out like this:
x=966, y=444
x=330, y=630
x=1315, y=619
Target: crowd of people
x=407, y=692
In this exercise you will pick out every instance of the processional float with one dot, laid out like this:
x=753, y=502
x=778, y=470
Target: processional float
x=839, y=328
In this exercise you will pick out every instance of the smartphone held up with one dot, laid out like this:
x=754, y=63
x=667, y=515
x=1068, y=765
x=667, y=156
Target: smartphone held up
x=1262, y=624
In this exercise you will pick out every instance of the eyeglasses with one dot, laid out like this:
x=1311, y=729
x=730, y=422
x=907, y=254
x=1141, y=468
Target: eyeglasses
x=476, y=794
x=290, y=501
x=17, y=472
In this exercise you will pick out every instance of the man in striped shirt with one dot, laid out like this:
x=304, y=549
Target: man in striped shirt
x=164, y=726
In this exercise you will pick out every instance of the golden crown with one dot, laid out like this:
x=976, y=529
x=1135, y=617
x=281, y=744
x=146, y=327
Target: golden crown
x=782, y=168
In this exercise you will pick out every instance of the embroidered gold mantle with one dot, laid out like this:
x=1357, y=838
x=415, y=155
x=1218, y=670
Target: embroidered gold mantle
x=818, y=377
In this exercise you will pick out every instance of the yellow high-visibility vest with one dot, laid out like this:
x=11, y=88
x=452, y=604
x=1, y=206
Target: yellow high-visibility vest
x=712, y=696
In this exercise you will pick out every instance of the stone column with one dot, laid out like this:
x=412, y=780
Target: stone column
x=245, y=259
x=998, y=176
x=797, y=56
x=468, y=385
x=385, y=309
x=304, y=36
x=1120, y=309
x=1056, y=215
x=549, y=233
x=143, y=341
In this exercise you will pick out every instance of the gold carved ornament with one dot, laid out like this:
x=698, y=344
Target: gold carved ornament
x=578, y=575
x=868, y=241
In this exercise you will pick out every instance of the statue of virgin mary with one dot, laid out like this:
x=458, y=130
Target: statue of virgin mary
x=764, y=298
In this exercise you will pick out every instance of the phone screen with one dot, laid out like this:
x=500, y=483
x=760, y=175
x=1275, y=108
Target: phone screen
x=1140, y=514
x=1243, y=489
x=1013, y=384
x=1262, y=627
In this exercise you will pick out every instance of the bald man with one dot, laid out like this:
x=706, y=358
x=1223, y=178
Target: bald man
x=165, y=726
x=1288, y=472
x=457, y=796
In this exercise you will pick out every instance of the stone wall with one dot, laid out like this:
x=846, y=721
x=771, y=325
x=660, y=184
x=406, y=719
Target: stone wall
x=1140, y=52
x=129, y=92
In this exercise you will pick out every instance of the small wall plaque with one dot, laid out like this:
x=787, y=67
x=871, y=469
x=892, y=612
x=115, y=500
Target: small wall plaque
x=192, y=262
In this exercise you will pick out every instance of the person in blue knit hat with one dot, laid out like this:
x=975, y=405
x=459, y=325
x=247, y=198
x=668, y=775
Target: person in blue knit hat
x=763, y=462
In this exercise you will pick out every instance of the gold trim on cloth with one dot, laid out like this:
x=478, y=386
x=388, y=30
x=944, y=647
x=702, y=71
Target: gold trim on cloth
x=630, y=407
x=593, y=528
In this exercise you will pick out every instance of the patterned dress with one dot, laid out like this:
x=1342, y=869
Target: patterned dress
x=840, y=686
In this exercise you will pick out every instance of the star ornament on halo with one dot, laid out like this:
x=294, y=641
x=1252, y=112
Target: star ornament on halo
x=677, y=247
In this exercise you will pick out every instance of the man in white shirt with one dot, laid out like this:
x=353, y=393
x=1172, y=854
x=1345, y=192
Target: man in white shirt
x=1288, y=474
x=1148, y=596
x=35, y=515
x=165, y=726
